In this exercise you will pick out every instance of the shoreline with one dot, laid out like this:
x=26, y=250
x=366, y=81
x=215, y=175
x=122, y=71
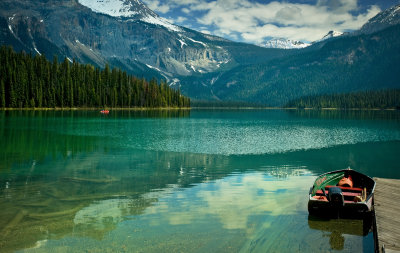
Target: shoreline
x=192, y=108
x=293, y=108
x=95, y=109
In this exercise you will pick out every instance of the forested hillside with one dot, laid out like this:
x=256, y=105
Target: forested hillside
x=33, y=81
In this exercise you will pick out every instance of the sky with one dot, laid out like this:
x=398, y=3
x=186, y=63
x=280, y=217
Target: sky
x=256, y=21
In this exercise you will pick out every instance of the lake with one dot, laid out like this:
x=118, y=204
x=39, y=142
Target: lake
x=184, y=181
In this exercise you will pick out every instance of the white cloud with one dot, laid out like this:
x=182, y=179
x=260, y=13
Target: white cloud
x=181, y=19
x=254, y=21
x=289, y=13
x=186, y=10
x=257, y=21
x=205, y=31
x=156, y=6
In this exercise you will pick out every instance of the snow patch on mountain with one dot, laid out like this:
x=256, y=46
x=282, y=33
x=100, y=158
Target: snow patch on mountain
x=37, y=51
x=182, y=43
x=160, y=21
x=196, y=41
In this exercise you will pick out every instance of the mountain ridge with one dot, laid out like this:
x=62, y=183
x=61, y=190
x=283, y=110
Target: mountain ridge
x=282, y=43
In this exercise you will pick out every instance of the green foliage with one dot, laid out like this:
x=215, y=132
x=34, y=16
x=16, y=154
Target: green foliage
x=27, y=81
x=384, y=99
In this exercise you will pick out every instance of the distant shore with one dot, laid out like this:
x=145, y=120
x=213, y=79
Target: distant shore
x=294, y=108
x=191, y=108
x=95, y=109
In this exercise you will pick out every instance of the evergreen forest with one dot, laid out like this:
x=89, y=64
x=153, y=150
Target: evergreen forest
x=28, y=81
x=381, y=99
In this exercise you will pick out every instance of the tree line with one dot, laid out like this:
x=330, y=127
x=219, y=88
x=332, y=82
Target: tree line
x=28, y=81
x=382, y=99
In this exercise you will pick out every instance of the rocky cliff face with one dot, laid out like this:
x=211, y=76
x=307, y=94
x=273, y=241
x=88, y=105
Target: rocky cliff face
x=134, y=38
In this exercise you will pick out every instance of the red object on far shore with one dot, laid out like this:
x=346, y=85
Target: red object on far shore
x=105, y=111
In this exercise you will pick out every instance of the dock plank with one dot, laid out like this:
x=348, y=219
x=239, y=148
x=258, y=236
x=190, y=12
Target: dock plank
x=387, y=213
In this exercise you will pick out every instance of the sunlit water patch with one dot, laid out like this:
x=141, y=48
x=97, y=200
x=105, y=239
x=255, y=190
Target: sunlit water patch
x=242, y=132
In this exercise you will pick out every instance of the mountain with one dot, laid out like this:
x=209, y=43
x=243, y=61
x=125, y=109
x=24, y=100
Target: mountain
x=128, y=35
x=284, y=44
x=381, y=21
x=349, y=63
x=123, y=33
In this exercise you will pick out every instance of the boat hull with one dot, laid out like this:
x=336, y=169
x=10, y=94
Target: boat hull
x=358, y=200
x=322, y=208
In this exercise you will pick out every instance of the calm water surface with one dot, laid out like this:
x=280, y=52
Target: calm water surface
x=183, y=181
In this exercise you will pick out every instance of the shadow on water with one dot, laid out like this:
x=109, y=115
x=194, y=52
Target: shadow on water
x=335, y=229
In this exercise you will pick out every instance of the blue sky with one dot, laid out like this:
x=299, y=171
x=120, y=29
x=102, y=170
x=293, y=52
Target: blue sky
x=255, y=21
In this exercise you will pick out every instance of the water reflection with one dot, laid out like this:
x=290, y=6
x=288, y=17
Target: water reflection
x=233, y=200
x=337, y=229
x=90, y=194
x=241, y=203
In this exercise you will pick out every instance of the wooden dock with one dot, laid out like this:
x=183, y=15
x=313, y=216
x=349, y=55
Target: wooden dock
x=387, y=213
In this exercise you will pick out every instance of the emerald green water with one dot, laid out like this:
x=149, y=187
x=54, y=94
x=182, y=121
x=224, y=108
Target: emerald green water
x=184, y=181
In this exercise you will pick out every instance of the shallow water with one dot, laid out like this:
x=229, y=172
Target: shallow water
x=184, y=181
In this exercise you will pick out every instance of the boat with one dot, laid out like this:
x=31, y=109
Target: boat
x=105, y=111
x=342, y=193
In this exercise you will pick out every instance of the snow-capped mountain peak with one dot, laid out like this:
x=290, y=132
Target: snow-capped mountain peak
x=284, y=44
x=331, y=34
x=128, y=9
x=115, y=8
